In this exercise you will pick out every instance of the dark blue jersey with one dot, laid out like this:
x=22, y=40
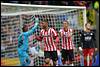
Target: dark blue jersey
x=87, y=39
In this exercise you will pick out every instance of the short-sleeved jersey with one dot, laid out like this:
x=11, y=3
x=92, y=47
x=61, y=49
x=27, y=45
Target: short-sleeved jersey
x=66, y=41
x=48, y=38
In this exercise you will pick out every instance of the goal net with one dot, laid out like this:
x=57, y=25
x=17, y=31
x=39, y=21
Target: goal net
x=13, y=16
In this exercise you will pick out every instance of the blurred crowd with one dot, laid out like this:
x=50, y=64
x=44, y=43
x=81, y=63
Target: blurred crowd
x=88, y=4
x=81, y=3
x=68, y=3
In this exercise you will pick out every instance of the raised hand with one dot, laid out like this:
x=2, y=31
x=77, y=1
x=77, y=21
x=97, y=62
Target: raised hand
x=36, y=20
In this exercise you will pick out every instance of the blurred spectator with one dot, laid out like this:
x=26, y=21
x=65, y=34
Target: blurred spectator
x=13, y=1
x=71, y=3
x=40, y=2
x=52, y=3
x=37, y=2
x=88, y=4
x=80, y=3
x=24, y=2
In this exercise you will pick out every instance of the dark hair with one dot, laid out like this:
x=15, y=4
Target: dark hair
x=66, y=21
x=23, y=27
x=87, y=23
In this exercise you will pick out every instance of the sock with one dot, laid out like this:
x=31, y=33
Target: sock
x=90, y=63
x=85, y=62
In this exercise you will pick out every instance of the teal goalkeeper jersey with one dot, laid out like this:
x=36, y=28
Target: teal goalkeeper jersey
x=23, y=38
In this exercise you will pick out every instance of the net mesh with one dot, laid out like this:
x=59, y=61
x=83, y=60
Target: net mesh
x=13, y=18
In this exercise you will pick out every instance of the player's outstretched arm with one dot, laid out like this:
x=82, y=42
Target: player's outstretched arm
x=39, y=38
x=33, y=28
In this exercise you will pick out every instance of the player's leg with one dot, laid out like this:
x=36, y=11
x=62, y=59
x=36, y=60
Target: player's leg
x=51, y=62
x=59, y=61
x=22, y=60
x=71, y=57
x=47, y=61
x=91, y=51
x=23, y=57
x=85, y=54
x=67, y=57
x=26, y=59
x=20, y=55
x=54, y=57
x=64, y=56
x=47, y=58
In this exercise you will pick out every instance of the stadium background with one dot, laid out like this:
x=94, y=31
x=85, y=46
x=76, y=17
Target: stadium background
x=8, y=49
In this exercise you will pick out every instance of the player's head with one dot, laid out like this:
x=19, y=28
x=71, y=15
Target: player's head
x=25, y=28
x=88, y=26
x=44, y=24
x=65, y=24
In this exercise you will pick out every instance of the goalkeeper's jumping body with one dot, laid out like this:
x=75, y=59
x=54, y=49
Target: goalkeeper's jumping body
x=88, y=42
x=23, y=44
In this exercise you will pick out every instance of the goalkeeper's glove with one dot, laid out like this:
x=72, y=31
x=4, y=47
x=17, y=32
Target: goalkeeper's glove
x=36, y=20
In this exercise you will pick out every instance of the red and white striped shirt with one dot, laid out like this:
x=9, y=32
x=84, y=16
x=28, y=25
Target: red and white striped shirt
x=48, y=38
x=66, y=41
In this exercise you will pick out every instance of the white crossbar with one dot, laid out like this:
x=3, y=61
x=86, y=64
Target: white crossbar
x=48, y=6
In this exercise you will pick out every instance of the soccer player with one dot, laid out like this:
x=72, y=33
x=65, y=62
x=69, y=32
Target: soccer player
x=67, y=44
x=50, y=38
x=23, y=44
x=88, y=43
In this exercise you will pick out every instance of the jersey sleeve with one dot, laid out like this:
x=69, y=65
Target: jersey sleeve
x=54, y=32
x=71, y=31
x=40, y=37
x=94, y=39
x=41, y=32
x=28, y=33
x=60, y=30
x=61, y=33
x=55, y=36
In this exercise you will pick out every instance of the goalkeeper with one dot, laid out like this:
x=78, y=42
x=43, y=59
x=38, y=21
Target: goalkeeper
x=23, y=44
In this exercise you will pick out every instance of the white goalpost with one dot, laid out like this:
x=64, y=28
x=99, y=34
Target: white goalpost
x=13, y=16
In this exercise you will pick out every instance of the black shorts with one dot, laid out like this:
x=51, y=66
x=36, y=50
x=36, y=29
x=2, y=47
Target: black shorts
x=67, y=54
x=51, y=54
